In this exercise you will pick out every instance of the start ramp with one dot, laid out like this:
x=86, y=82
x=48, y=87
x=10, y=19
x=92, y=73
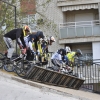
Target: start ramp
x=42, y=75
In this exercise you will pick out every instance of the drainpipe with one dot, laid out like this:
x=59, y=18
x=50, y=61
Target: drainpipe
x=99, y=10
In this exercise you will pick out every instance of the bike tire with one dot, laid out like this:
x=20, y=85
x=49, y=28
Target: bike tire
x=22, y=67
x=1, y=64
x=2, y=57
x=9, y=67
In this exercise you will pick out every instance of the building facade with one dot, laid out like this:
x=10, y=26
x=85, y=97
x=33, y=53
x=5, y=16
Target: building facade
x=78, y=24
x=28, y=11
x=81, y=25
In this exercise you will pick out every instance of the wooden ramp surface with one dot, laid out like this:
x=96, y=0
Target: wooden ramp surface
x=45, y=76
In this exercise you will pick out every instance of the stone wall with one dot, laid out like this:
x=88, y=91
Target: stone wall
x=54, y=16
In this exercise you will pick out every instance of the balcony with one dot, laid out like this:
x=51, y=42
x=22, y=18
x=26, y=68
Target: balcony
x=83, y=29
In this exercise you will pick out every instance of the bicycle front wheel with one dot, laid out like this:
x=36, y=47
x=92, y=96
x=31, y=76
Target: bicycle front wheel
x=2, y=57
x=22, y=67
x=9, y=67
x=1, y=64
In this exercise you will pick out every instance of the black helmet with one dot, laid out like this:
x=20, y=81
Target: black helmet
x=62, y=51
x=40, y=34
x=78, y=52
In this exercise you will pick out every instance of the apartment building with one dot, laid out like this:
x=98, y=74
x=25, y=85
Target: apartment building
x=78, y=24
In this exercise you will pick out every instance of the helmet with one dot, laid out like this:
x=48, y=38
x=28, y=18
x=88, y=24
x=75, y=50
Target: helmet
x=61, y=51
x=52, y=39
x=40, y=34
x=79, y=52
x=45, y=39
x=68, y=49
x=27, y=28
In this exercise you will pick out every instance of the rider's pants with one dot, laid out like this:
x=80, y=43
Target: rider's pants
x=56, y=62
x=10, y=46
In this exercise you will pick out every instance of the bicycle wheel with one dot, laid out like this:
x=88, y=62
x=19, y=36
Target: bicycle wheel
x=8, y=66
x=22, y=67
x=1, y=64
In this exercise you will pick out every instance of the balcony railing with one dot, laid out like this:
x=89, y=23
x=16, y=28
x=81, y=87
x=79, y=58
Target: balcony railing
x=79, y=29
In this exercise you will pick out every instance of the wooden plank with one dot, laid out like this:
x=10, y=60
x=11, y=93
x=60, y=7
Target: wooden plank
x=42, y=75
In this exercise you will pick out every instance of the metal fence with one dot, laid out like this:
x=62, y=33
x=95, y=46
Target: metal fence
x=89, y=70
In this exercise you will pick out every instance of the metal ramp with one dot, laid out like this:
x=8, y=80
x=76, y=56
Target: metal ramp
x=45, y=76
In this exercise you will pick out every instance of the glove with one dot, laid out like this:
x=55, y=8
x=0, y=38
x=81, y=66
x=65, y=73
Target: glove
x=24, y=51
x=20, y=46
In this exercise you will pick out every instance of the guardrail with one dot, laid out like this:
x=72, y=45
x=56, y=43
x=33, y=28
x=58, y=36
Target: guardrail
x=90, y=72
x=87, y=69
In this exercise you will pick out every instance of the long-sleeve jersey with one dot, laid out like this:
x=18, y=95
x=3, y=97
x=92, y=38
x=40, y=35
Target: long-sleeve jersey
x=32, y=41
x=16, y=34
x=71, y=56
x=56, y=56
x=45, y=46
x=34, y=38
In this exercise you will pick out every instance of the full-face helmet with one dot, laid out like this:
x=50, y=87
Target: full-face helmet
x=68, y=49
x=52, y=39
x=27, y=28
x=78, y=52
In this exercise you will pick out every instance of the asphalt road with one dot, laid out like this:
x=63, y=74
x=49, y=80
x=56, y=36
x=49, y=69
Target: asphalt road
x=15, y=88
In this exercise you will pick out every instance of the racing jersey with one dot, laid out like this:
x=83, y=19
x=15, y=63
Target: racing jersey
x=16, y=34
x=71, y=56
x=45, y=46
x=33, y=38
x=33, y=43
x=56, y=56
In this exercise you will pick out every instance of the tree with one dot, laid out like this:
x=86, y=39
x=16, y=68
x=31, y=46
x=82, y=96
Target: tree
x=44, y=22
x=24, y=9
x=6, y=19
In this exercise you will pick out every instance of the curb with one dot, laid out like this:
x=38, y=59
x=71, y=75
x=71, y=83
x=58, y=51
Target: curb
x=45, y=87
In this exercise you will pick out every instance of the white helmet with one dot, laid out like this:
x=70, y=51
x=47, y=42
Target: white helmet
x=52, y=39
x=68, y=49
x=45, y=38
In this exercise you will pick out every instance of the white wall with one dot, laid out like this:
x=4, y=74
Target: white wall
x=96, y=50
x=86, y=48
x=54, y=14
